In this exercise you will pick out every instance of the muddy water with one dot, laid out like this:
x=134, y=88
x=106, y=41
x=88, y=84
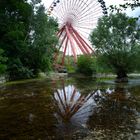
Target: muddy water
x=70, y=109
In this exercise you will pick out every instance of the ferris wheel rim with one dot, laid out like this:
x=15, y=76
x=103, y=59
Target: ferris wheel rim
x=76, y=19
x=64, y=11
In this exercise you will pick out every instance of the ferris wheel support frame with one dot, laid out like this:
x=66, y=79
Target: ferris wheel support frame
x=74, y=22
x=70, y=33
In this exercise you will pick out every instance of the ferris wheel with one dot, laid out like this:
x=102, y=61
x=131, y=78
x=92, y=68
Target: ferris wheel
x=76, y=18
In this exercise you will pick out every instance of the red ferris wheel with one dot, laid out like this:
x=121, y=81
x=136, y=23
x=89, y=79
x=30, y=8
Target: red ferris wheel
x=76, y=18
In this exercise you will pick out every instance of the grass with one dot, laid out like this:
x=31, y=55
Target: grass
x=21, y=81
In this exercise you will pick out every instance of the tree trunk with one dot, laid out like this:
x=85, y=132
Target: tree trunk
x=121, y=77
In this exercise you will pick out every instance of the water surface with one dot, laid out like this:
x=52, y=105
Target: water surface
x=70, y=109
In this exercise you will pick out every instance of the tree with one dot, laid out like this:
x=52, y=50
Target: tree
x=128, y=4
x=116, y=38
x=14, y=22
x=2, y=62
x=27, y=37
x=43, y=39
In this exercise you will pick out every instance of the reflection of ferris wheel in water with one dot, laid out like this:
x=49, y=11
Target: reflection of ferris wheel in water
x=76, y=18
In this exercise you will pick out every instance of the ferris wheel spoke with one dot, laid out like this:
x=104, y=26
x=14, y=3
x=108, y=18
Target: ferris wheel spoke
x=71, y=3
x=61, y=8
x=64, y=7
x=84, y=27
x=60, y=19
x=87, y=27
x=86, y=14
x=82, y=4
x=78, y=5
x=74, y=4
x=89, y=12
x=89, y=18
x=83, y=31
x=58, y=11
x=87, y=23
x=86, y=8
x=76, y=18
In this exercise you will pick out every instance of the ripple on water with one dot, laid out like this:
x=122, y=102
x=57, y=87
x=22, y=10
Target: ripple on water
x=70, y=110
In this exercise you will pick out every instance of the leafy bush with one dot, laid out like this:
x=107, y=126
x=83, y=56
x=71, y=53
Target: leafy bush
x=2, y=62
x=86, y=65
x=16, y=70
x=27, y=36
x=70, y=68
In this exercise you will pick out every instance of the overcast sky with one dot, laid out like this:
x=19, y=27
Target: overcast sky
x=47, y=3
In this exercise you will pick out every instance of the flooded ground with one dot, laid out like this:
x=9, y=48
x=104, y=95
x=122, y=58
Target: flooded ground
x=70, y=109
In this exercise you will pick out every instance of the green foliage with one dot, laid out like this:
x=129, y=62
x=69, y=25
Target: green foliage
x=100, y=65
x=2, y=62
x=68, y=63
x=27, y=37
x=85, y=65
x=136, y=54
x=18, y=71
x=115, y=39
x=43, y=40
x=128, y=4
x=14, y=22
x=70, y=68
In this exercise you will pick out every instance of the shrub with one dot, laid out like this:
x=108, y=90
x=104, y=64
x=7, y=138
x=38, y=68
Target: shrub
x=86, y=65
x=2, y=62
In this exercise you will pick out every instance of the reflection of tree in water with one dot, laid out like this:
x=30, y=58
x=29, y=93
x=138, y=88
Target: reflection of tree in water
x=74, y=109
x=27, y=113
x=115, y=114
